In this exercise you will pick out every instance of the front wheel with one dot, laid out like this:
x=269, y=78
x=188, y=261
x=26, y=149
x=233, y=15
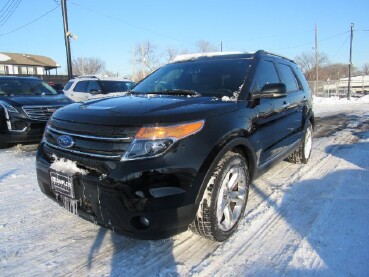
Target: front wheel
x=224, y=200
x=302, y=154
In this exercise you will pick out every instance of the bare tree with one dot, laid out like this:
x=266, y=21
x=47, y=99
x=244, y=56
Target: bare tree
x=89, y=65
x=170, y=54
x=307, y=63
x=334, y=71
x=147, y=57
x=366, y=69
x=109, y=73
x=205, y=46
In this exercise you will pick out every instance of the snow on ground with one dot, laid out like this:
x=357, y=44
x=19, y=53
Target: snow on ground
x=301, y=220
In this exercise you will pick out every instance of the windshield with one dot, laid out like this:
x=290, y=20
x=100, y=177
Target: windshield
x=10, y=87
x=116, y=86
x=209, y=78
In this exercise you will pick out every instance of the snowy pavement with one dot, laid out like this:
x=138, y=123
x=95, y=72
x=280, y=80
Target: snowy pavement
x=301, y=220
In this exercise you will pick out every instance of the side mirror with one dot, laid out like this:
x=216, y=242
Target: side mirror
x=275, y=90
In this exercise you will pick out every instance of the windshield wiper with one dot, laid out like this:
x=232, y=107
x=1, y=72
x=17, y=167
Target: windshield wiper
x=177, y=92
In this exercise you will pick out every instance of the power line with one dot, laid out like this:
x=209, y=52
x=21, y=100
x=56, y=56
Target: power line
x=270, y=36
x=339, y=49
x=6, y=4
x=130, y=24
x=295, y=46
x=29, y=23
x=334, y=36
x=4, y=16
x=310, y=43
x=7, y=8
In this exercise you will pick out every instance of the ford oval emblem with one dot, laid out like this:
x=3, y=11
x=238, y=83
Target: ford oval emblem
x=65, y=141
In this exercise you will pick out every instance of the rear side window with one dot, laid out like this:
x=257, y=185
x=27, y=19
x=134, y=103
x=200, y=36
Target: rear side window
x=81, y=86
x=115, y=86
x=288, y=78
x=266, y=73
x=301, y=79
x=93, y=86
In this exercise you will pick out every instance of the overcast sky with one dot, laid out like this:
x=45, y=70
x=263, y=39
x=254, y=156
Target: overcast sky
x=109, y=29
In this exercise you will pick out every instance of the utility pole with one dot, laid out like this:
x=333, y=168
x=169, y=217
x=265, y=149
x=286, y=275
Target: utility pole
x=66, y=38
x=350, y=63
x=221, y=46
x=316, y=61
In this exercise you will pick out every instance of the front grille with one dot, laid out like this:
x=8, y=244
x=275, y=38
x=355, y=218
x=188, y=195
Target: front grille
x=41, y=113
x=94, y=130
x=90, y=141
x=93, y=164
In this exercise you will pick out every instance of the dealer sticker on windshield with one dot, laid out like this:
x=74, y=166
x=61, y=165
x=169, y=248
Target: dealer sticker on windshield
x=62, y=183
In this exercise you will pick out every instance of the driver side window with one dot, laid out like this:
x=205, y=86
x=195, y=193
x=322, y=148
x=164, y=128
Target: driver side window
x=266, y=73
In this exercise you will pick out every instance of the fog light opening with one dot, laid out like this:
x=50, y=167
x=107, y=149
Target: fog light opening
x=140, y=222
x=144, y=221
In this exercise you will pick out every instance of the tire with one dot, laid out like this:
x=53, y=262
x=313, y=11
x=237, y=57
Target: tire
x=224, y=200
x=302, y=154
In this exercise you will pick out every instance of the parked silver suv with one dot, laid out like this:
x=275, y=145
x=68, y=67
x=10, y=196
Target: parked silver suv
x=86, y=87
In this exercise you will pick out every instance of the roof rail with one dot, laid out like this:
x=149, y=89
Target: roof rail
x=87, y=76
x=259, y=52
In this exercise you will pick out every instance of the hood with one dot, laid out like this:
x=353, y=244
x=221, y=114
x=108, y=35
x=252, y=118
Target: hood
x=36, y=100
x=143, y=110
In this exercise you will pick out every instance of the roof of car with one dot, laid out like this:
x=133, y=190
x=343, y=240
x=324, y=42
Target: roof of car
x=20, y=77
x=94, y=77
x=225, y=55
x=212, y=55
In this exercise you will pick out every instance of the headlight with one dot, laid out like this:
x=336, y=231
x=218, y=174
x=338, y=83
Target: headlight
x=8, y=107
x=154, y=141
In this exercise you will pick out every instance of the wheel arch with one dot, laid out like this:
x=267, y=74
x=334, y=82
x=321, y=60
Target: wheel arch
x=235, y=144
x=310, y=118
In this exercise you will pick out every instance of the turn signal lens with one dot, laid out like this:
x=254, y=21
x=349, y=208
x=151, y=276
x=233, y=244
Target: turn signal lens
x=176, y=131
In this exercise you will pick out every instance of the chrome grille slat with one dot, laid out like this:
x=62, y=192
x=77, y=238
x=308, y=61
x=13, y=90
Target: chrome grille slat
x=41, y=113
x=127, y=139
x=94, y=144
x=94, y=130
x=83, y=153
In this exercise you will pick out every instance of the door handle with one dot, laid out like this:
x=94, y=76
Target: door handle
x=285, y=105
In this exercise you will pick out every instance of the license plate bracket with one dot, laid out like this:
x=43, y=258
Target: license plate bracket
x=62, y=183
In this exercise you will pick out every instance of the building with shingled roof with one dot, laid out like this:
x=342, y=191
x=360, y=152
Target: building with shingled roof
x=26, y=64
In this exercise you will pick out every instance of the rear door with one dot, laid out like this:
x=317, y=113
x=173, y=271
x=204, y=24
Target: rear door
x=295, y=102
x=79, y=92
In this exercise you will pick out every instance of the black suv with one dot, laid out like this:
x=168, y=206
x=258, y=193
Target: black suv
x=26, y=103
x=182, y=148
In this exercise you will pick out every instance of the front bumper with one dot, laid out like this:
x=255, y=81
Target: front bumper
x=18, y=128
x=145, y=199
x=31, y=132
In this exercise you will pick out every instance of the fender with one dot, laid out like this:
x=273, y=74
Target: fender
x=310, y=117
x=238, y=144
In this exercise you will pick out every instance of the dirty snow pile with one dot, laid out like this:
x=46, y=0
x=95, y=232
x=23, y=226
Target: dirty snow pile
x=301, y=220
